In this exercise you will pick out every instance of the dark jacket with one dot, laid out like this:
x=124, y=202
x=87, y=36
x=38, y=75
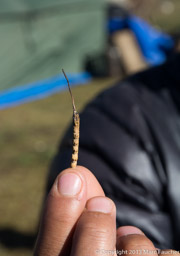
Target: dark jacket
x=130, y=140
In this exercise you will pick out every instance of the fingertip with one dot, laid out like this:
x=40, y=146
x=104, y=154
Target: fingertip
x=128, y=230
x=93, y=187
x=90, y=186
x=69, y=183
x=101, y=204
x=130, y=238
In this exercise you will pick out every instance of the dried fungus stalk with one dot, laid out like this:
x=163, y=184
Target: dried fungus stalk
x=76, y=126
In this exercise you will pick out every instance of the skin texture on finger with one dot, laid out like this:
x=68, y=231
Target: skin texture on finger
x=132, y=241
x=93, y=187
x=62, y=210
x=95, y=233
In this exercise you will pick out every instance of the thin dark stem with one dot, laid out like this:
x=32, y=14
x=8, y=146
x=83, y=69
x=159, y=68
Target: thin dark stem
x=74, y=107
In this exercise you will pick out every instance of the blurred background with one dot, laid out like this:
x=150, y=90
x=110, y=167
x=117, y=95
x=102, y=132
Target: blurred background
x=97, y=42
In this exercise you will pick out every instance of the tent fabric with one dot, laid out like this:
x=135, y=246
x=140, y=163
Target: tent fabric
x=38, y=38
x=38, y=90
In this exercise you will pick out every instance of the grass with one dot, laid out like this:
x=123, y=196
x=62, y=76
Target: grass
x=29, y=136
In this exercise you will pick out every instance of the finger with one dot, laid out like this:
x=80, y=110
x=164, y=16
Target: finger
x=64, y=205
x=95, y=232
x=131, y=240
x=93, y=187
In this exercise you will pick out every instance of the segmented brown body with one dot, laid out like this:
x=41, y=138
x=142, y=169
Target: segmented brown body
x=76, y=126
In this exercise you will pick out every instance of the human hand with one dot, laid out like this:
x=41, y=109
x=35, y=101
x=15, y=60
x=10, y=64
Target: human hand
x=67, y=227
x=79, y=220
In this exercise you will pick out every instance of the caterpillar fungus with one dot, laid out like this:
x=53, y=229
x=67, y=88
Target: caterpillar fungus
x=76, y=126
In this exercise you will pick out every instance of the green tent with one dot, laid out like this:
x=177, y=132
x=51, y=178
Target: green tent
x=38, y=38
